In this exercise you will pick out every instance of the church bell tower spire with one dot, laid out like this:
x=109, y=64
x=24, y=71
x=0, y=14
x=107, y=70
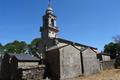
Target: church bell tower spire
x=49, y=28
x=49, y=9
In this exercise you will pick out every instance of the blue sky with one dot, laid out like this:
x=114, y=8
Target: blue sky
x=90, y=22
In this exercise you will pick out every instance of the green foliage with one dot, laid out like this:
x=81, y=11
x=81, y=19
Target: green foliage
x=0, y=45
x=15, y=47
x=21, y=47
x=36, y=42
x=117, y=39
x=113, y=48
x=34, y=46
x=1, y=48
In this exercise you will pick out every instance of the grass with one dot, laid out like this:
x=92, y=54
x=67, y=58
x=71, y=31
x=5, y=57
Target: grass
x=113, y=74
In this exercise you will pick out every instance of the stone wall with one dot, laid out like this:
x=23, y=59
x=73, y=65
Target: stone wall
x=36, y=73
x=107, y=65
x=5, y=68
x=27, y=64
x=14, y=70
x=63, y=63
x=70, y=62
x=90, y=62
x=106, y=58
x=52, y=63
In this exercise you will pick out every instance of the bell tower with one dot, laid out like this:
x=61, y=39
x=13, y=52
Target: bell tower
x=49, y=28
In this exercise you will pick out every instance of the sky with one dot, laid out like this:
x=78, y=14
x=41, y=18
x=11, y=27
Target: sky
x=89, y=22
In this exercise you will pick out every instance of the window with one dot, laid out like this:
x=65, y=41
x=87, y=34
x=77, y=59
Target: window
x=52, y=22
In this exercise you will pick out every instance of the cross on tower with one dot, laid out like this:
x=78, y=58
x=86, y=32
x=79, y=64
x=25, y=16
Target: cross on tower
x=49, y=3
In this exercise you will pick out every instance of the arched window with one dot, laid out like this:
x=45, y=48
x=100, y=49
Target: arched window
x=52, y=22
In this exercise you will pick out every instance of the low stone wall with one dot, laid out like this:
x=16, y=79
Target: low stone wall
x=105, y=65
x=91, y=66
x=36, y=73
x=27, y=64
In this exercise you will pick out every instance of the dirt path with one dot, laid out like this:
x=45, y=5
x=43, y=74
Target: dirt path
x=103, y=75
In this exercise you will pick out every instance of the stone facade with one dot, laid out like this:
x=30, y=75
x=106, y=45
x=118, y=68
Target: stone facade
x=14, y=65
x=27, y=64
x=68, y=61
x=106, y=58
x=52, y=64
x=33, y=73
x=106, y=65
x=90, y=62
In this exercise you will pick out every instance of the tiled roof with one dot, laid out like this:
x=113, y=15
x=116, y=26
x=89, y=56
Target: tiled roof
x=55, y=47
x=24, y=57
x=71, y=42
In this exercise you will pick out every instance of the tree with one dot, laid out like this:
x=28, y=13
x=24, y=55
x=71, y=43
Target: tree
x=113, y=48
x=117, y=39
x=1, y=48
x=34, y=46
x=0, y=45
x=15, y=47
x=22, y=47
x=36, y=42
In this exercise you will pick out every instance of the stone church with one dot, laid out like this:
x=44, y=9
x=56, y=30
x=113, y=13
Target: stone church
x=65, y=59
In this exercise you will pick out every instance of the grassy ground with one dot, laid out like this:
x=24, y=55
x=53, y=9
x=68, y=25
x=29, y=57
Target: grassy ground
x=113, y=74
